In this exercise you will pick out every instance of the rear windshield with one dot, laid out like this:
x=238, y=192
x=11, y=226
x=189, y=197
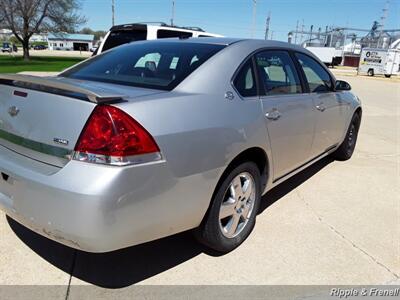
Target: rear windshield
x=117, y=38
x=156, y=65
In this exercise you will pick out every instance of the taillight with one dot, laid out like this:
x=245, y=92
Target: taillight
x=113, y=137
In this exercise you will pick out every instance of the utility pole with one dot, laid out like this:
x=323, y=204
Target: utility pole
x=326, y=36
x=311, y=33
x=297, y=29
x=173, y=13
x=267, y=25
x=253, y=29
x=382, y=23
x=272, y=34
x=113, y=12
x=344, y=44
x=302, y=30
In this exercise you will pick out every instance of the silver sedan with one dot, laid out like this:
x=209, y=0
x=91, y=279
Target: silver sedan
x=153, y=138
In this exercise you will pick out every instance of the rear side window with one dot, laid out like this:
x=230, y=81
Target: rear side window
x=317, y=77
x=117, y=38
x=277, y=73
x=163, y=34
x=156, y=65
x=245, y=82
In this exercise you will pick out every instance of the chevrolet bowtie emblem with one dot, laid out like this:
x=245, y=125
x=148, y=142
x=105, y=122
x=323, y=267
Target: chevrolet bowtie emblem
x=13, y=111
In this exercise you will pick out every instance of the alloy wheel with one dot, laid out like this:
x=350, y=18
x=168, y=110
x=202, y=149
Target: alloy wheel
x=237, y=205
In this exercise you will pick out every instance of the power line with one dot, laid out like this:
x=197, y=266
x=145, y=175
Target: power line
x=228, y=25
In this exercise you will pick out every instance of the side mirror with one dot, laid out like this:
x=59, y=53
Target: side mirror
x=342, y=85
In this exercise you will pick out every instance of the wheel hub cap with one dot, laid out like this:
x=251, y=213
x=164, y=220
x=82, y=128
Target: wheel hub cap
x=237, y=205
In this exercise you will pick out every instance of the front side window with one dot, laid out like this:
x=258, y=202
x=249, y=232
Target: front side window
x=157, y=65
x=245, y=82
x=317, y=77
x=277, y=73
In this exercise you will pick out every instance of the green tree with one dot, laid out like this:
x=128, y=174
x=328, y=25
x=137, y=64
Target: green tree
x=97, y=34
x=86, y=30
x=27, y=17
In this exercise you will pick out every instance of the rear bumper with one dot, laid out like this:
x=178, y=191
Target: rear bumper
x=99, y=208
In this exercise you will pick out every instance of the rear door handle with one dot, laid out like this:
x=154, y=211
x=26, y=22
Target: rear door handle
x=320, y=107
x=273, y=114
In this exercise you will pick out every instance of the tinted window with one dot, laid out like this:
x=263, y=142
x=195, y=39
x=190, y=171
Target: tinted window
x=163, y=34
x=277, y=73
x=245, y=82
x=117, y=38
x=158, y=65
x=317, y=77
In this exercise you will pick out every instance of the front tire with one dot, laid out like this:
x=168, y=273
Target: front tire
x=232, y=214
x=346, y=149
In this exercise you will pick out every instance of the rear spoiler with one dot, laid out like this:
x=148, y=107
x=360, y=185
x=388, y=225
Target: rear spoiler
x=34, y=82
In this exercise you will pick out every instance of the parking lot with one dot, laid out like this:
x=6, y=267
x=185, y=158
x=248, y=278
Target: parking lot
x=334, y=223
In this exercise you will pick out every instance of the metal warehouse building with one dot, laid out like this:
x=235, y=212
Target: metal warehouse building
x=71, y=42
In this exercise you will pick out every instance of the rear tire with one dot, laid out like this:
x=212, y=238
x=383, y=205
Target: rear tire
x=370, y=72
x=346, y=149
x=387, y=75
x=232, y=214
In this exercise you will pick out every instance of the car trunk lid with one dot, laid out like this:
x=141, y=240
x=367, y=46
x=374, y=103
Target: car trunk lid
x=42, y=118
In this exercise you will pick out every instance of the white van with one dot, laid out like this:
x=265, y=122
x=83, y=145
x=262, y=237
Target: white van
x=380, y=62
x=122, y=34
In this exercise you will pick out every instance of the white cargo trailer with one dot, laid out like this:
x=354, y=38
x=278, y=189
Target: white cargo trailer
x=328, y=55
x=379, y=62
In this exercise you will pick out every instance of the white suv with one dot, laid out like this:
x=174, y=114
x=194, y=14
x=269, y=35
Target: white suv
x=122, y=34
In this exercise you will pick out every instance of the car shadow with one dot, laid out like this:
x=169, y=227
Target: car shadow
x=128, y=266
x=290, y=184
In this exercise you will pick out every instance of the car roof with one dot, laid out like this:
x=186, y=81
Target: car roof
x=251, y=43
x=229, y=41
x=204, y=40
